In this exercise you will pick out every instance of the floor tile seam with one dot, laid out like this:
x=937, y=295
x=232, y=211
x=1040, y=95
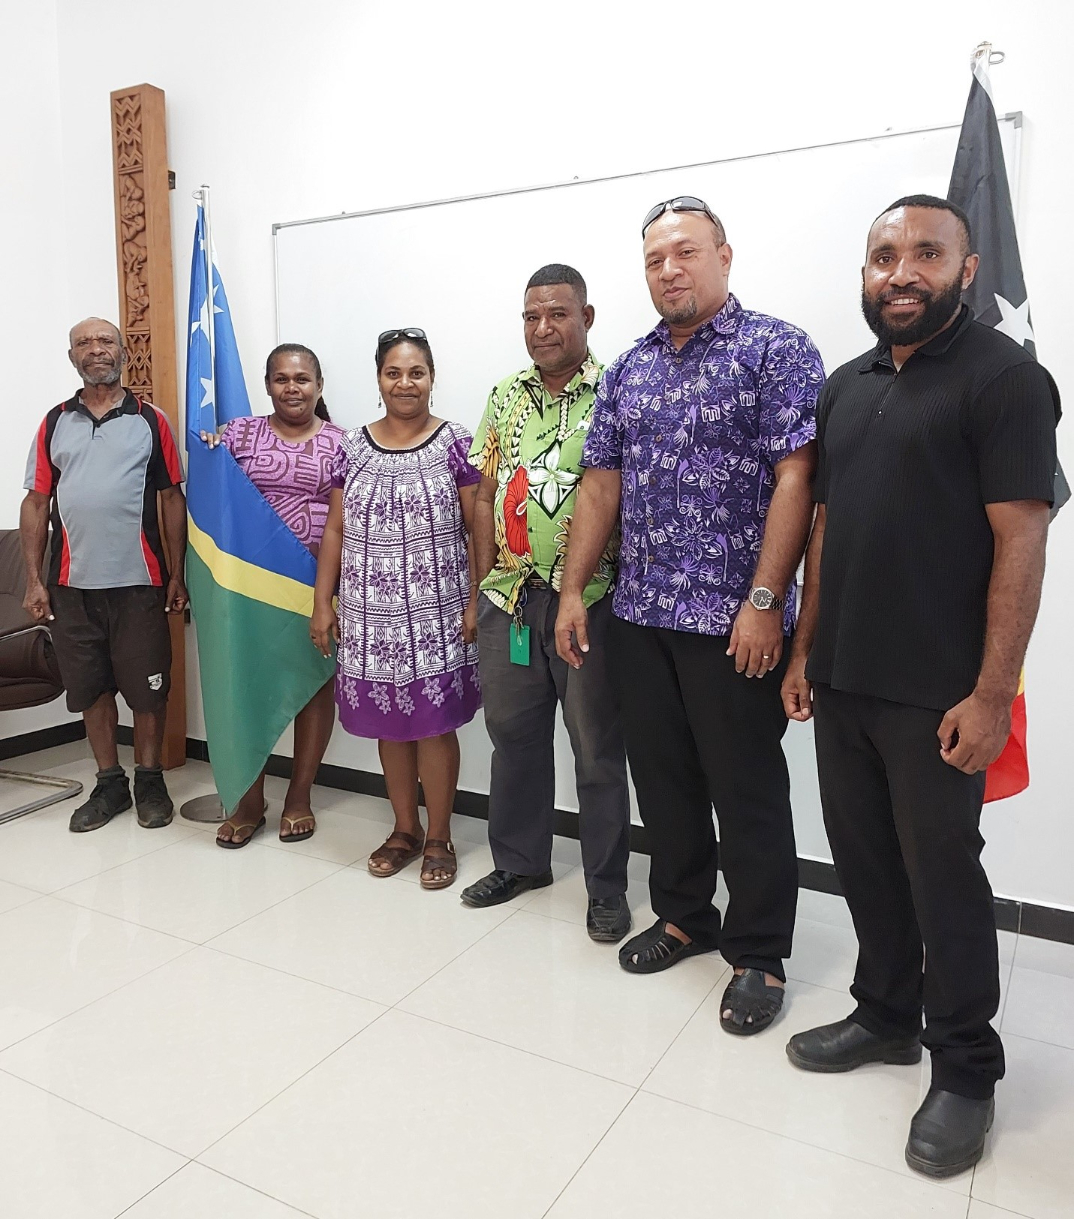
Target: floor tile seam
x=1003, y=1210
x=272, y=905
x=120, y=918
x=276, y=1096
x=227, y=1177
x=1055, y=1045
x=1001, y=1015
x=142, y=1197
x=507, y=1045
x=338, y=990
x=719, y=979
x=164, y=846
x=591, y=1152
x=557, y=918
x=98, y=999
x=1026, y=969
x=790, y=1138
x=462, y=952
x=23, y=905
x=111, y=1121
x=18, y=884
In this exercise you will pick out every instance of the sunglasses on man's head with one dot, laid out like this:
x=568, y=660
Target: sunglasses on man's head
x=406, y=332
x=684, y=203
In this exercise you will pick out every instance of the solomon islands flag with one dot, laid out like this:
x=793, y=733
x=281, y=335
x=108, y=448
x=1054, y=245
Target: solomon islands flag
x=250, y=579
x=998, y=298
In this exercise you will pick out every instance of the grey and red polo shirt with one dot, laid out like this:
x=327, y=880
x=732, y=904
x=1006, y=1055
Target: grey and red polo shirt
x=103, y=476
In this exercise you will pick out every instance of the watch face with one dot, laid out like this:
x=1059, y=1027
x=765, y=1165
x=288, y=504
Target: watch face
x=762, y=598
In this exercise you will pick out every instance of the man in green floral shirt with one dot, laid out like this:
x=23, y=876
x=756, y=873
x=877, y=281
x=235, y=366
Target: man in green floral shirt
x=529, y=451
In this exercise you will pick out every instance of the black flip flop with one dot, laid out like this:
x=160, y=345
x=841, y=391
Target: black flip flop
x=753, y=1004
x=237, y=846
x=291, y=821
x=656, y=949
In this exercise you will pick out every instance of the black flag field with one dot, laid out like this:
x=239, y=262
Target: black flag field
x=980, y=187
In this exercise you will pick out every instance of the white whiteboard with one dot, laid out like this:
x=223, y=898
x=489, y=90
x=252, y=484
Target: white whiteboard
x=797, y=222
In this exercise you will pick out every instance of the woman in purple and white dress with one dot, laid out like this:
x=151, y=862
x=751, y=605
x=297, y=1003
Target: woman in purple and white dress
x=396, y=547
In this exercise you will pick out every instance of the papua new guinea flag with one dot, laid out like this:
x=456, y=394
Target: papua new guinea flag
x=998, y=297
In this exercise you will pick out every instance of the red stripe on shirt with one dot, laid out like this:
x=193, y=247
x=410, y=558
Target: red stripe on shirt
x=42, y=464
x=151, y=564
x=65, y=559
x=168, y=449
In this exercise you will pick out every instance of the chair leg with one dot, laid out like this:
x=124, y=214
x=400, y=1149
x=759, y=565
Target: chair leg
x=63, y=789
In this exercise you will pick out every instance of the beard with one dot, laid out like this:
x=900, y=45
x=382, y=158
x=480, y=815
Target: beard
x=679, y=314
x=102, y=376
x=937, y=311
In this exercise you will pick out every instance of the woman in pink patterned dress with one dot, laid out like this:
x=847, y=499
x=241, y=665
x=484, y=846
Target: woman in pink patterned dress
x=288, y=457
x=396, y=547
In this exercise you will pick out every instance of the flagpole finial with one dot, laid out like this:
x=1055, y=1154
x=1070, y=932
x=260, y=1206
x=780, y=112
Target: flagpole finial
x=983, y=51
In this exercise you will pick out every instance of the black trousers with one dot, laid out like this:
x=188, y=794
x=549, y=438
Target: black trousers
x=520, y=715
x=905, y=837
x=699, y=735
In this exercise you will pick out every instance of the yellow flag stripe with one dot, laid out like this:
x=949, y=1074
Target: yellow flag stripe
x=247, y=579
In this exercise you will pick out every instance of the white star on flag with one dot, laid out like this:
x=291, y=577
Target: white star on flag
x=207, y=388
x=1015, y=320
x=202, y=323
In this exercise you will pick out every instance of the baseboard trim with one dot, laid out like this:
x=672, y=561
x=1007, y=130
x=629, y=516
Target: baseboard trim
x=42, y=738
x=1026, y=918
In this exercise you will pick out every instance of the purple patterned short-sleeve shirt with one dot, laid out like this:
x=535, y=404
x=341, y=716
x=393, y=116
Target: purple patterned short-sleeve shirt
x=295, y=478
x=697, y=434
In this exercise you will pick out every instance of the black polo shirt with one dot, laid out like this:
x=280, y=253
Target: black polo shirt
x=907, y=462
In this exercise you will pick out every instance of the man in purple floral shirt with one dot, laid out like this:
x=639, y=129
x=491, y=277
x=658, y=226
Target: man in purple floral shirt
x=702, y=447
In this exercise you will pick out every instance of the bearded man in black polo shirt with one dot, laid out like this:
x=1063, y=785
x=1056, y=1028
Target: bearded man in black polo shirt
x=936, y=463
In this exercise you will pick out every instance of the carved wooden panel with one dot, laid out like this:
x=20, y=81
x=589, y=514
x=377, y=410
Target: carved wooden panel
x=147, y=305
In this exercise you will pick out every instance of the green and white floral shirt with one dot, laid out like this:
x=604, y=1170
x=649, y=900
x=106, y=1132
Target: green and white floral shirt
x=531, y=444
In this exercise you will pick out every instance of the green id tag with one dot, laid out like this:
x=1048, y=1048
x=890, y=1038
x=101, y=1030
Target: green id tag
x=520, y=644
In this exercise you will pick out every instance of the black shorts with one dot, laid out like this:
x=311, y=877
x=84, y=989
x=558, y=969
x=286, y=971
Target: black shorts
x=110, y=639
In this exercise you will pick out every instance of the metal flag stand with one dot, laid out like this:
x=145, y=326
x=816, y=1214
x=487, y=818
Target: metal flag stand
x=207, y=808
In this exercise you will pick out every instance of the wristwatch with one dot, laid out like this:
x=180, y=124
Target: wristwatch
x=765, y=599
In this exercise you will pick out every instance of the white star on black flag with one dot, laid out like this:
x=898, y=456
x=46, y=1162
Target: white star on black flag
x=980, y=187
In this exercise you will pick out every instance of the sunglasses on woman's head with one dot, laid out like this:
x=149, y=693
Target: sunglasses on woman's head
x=406, y=332
x=683, y=203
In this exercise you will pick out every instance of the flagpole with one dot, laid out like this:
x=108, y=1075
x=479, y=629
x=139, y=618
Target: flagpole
x=208, y=808
x=202, y=196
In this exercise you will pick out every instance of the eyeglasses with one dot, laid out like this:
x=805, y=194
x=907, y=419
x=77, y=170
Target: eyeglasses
x=684, y=203
x=405, y=332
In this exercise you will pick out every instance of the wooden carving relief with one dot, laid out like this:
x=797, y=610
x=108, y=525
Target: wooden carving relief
x=131, y=226
x=147, y=305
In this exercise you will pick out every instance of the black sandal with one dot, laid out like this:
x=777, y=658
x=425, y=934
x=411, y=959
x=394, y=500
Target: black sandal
x=656, y=949
x=753, y=1004
x=236, y=844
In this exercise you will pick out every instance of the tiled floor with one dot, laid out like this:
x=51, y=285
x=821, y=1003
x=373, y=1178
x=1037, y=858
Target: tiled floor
x=273, y=1033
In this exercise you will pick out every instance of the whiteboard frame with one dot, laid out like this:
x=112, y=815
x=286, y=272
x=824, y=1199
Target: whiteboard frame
x=1015, y=117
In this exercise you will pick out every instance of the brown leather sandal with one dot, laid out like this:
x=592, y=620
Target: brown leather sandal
x=396, y=857
x=442, y=860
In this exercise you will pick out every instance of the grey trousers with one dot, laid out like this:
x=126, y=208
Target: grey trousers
x=520, y=715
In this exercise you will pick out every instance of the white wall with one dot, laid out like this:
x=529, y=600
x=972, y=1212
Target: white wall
x=33, y=282
x=298, y=111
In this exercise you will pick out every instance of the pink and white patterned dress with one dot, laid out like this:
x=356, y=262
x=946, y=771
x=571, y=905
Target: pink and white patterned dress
x=404, y=672
x=296, y=479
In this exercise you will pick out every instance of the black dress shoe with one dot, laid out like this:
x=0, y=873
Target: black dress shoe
x=501, y=886
x=947, y=1134
x=608, y=919
x=842, y=1046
